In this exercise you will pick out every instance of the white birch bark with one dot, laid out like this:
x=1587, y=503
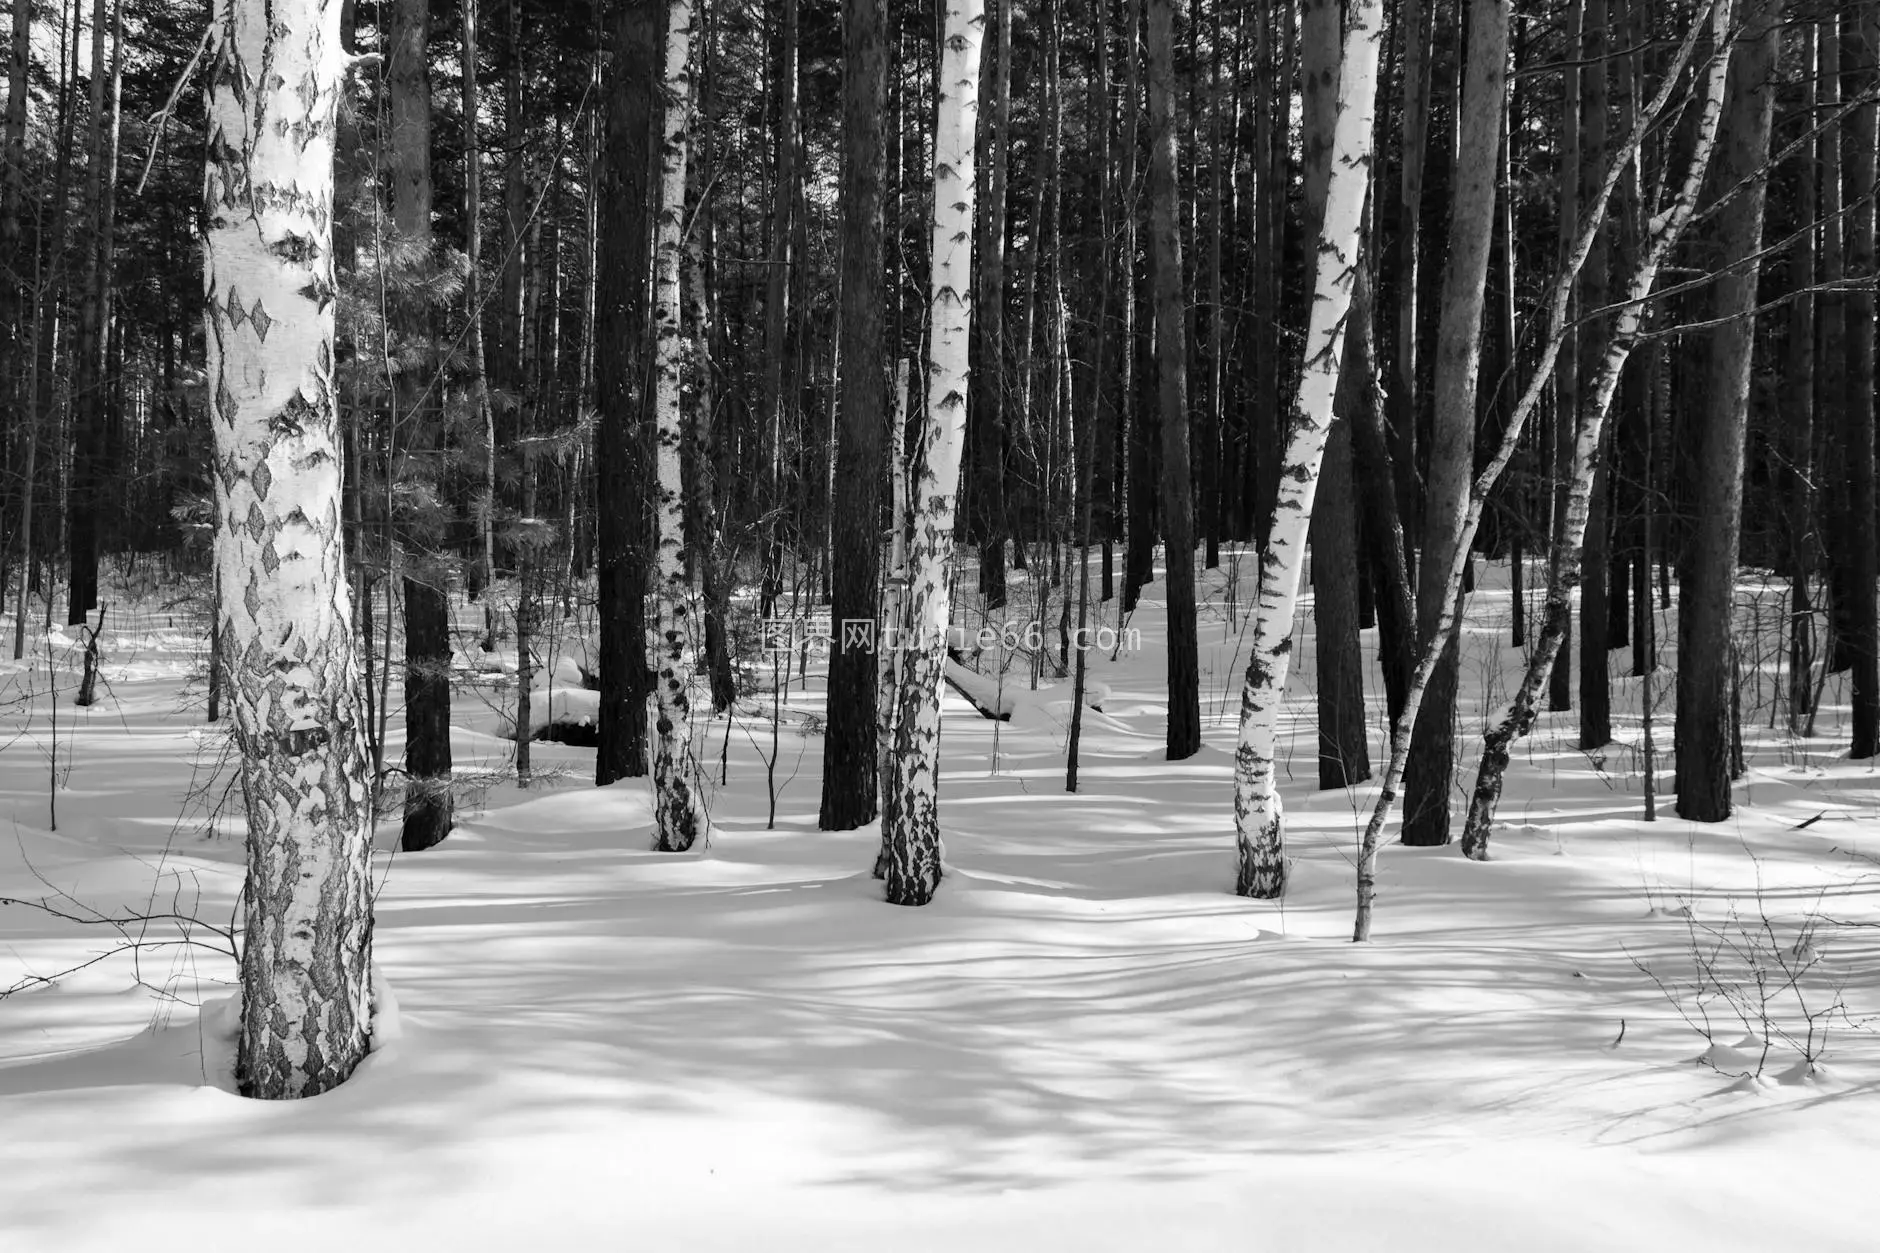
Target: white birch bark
x=1259, y=821
x=896, y=576
x=910, y=824
x=274, y=73
x=1662, y=231
x=678, y=820
x=1717, y=14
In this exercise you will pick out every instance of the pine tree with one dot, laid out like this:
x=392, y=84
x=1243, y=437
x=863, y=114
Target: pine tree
x=1707, y=580
x=849, y=760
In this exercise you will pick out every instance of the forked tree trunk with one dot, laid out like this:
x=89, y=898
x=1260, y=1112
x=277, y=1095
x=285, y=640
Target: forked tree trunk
x=678, y=819
x=287, y=647
x=1707, y=583
x=1429, y=777
x=850, y=779
x=910, y=825
x=1171, y=373
x=1258, y=818
x=1564, y=561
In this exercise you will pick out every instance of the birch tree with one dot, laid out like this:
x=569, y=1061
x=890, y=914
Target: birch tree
x=274, y=70
x=910, y=826
x=1258, y=818
x=678, y=822
x=1663, y=227
x=1714, y=17
x=1430, y=773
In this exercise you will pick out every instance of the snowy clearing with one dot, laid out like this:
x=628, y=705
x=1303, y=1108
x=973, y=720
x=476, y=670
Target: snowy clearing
x=1086, y=1042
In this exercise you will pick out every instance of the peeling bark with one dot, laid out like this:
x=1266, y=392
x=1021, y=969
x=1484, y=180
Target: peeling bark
x=1259, y=820
x=287, y=646
x=678, y=819
x=910, y=825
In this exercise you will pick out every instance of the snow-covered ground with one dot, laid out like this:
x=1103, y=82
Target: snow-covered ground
x=1085, y=1043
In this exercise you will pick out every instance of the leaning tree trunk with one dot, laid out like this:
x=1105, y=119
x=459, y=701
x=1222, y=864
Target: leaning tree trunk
x=910, y=823
x=1564, y=561
x=1171, y=356
x=1429, y=777
x=678, y=822
x=1259, y=820
x=1707, y=583
x=287, y=645
x=849, y=770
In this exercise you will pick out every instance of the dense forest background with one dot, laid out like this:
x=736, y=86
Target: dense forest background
x=1695, y=180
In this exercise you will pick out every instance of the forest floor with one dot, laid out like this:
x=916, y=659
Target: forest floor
x=1087, y=1042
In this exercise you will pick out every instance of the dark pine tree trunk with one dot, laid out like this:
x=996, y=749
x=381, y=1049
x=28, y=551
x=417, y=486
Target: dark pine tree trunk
x=849, y=767
x=1165, y=247
x=621, y=330
x=427, y=609
x=1707, y=583
x=1858, y=69
x=986, y=385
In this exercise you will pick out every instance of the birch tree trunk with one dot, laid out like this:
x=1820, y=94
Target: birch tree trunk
x=677, y=818
x=1556, y=336
x=1707, y=583
x=1258, y=818
x=1343, y=754
x=893, y=602
x=1663, y=228
x=287, y=647
x=850, y=777
x=910, y=826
